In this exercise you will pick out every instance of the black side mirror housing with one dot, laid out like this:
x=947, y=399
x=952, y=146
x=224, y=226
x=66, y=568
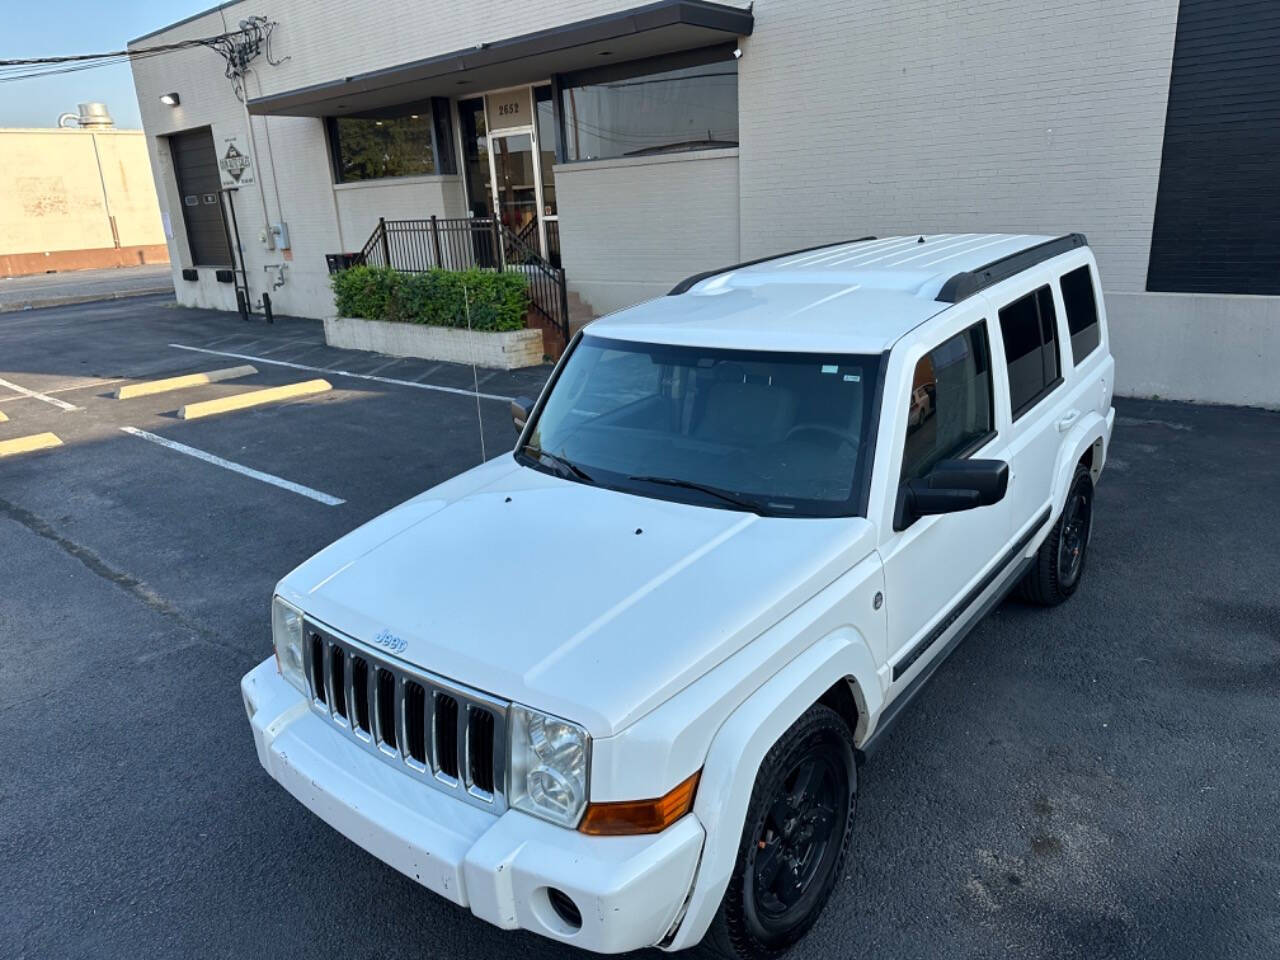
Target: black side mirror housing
x=950, y=486
x=521, y=407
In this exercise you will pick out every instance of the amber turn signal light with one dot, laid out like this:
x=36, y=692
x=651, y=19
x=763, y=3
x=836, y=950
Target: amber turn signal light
x=640, y=816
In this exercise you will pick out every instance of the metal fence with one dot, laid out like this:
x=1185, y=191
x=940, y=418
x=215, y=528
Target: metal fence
x=461, y=243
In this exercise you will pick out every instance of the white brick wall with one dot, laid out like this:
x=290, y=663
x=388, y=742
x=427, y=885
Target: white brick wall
x=632, y=228
x=892, y=116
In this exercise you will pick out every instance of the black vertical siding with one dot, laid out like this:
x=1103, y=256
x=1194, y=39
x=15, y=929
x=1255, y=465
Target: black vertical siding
x=1217, y=221
x=196, y=164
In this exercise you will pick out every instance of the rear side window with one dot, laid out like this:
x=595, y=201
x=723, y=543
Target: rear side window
x=1029, y=329
x=949, y=411
x=1082, y=312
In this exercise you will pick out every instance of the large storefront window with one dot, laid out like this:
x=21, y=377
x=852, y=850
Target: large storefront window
x=411, y=142
x=690, y=108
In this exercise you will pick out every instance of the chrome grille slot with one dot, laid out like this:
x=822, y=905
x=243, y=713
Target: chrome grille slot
x=316, y=643
x=447, y=736
x=338, y=680
x=359, y=689
x=480, y=749
x=415, y=707
x=386, y=712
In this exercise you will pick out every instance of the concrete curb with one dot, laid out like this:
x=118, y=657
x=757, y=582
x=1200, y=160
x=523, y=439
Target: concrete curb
x=71, y=299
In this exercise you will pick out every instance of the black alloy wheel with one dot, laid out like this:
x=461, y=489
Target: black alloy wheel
x=797, y=831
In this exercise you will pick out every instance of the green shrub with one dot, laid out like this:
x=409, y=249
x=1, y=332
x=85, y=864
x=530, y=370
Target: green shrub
x=439, y=298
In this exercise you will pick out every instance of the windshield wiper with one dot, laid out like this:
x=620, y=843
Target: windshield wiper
x=556, y=458
x=724, y=495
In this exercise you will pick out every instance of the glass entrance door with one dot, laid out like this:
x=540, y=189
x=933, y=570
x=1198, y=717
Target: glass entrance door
x=515, y=185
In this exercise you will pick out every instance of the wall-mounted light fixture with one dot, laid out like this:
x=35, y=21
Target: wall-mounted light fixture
x=172, y=99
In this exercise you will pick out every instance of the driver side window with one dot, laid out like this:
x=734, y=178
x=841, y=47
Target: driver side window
x=949, y=408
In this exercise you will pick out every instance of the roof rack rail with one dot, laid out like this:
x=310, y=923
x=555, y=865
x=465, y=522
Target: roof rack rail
x=968, y=282
x=688, y=282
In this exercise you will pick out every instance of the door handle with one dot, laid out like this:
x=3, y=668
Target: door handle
x=1066, y=422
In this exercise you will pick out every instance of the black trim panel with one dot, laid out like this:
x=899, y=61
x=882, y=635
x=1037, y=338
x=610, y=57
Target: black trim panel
x=945, y=624
x=688, y=282
x=968, y=282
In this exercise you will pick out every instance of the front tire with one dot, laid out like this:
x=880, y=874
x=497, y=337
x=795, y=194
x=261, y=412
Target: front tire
x=1059, y=563
x=794, y=841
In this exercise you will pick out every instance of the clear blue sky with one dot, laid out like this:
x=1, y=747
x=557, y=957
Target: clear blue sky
x=51, y=28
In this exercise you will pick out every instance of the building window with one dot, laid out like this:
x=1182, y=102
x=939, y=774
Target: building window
x=1029, y=329
x=949, y=411
x=688, y=107
x=409, y=141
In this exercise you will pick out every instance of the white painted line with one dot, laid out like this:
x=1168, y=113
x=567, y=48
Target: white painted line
x=74, y=387
x=236, y=468
x=345, y=373
x=36, y=395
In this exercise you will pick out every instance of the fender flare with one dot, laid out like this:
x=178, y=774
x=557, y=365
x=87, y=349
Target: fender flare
x=739, y=746
x=1091, y=430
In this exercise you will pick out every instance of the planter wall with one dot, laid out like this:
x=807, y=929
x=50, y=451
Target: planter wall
x=508, y=350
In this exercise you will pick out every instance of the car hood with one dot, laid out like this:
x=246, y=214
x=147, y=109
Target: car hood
x=588, y=603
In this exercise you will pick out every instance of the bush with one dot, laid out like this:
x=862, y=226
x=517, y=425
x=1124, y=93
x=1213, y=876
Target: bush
x=438, y=298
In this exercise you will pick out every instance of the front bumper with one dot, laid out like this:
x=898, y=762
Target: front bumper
x=629, y=890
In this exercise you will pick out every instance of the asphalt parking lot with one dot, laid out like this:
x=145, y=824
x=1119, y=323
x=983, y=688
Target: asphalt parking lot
x=1101, y=780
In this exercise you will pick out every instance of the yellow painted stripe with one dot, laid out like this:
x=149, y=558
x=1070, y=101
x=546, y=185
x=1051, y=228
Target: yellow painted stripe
x=253, y=398
x=37, y=441
x=3, y=418
x=181, y=383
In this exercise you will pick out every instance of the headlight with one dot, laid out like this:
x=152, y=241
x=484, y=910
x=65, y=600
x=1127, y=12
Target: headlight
x=286, y=634
x=548, y=766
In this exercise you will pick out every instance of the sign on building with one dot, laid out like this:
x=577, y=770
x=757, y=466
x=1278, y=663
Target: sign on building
x=235, y=166
x=511, y=108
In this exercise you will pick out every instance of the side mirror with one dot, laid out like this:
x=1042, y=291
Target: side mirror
x=521, y=407
x=952, y=485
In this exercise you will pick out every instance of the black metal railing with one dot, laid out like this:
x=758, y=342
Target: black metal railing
x=461, y=243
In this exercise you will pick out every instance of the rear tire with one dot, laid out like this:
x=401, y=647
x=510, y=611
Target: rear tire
x=1059, y=563
x=794, y=841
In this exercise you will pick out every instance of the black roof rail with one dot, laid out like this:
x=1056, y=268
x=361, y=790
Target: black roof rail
x=968, y=282
x=684, y=285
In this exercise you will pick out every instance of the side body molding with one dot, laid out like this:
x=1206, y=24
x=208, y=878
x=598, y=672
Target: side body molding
x=724, y=791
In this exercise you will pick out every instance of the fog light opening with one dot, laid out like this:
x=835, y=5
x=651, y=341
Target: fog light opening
x=565, y=909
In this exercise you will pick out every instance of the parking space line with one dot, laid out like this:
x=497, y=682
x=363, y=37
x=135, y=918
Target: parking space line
x=148, y=387
x=346, y=373
x=37, y=441
x=253, y=398
x=37, y=395
x=217, y=461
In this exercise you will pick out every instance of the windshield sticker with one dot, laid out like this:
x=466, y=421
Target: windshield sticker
x=852, y=378
x=830, y=368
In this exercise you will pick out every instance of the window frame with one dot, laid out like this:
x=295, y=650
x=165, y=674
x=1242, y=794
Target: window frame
x=973, y=446
x=1046, y=287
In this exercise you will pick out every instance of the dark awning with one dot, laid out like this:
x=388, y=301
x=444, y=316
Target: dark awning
x=668, y=26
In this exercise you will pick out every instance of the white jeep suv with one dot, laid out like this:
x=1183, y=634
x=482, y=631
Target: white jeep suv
x=615, y=687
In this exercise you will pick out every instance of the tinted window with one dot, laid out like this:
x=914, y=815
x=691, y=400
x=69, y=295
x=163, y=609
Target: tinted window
x=782, y=433
x=1028, y=327
x=691, y=108
x=1082, y=312
x=950, y=408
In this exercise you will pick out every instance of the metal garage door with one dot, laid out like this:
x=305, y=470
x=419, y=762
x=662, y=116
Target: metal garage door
x=196, y=165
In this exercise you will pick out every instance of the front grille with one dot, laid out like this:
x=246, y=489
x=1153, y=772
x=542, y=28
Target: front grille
x=437, y=731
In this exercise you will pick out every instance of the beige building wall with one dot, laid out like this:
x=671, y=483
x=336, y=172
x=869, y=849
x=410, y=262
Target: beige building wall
x=73, y=199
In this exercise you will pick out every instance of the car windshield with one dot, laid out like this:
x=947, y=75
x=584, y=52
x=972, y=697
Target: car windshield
x=776, y=433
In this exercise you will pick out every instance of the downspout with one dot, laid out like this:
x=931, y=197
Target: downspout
x=106, y=201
